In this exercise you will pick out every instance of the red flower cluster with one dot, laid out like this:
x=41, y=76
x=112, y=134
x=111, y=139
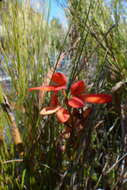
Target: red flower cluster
x=77, y=100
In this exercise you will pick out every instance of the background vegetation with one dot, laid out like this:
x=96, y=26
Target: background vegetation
x=34, y=153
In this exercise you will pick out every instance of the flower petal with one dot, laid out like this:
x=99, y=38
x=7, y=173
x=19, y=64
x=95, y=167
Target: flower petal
x=43, y=88
x=62, y=115
x=97, y=98
x=49, y=110
x=75, y=102
x=48, y=88
x=78, y=88
x=59, y=78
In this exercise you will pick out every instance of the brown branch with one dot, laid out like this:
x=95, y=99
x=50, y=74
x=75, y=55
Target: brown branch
x=116, y=163
x=12, y=161
x=14, y=129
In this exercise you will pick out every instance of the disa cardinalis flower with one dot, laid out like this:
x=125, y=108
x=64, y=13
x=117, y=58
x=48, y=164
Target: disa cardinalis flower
x=59, y=81
x=61, y=113
x=77, y=100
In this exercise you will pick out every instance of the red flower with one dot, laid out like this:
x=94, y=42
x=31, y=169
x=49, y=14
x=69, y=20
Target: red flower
x=60, y=82
x=77, y=100
x=77, y=89
x=61, y=113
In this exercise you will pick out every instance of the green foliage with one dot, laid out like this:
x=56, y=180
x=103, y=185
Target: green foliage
x=94, y=155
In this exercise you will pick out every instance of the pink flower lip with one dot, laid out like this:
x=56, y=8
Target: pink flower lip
x=49, y=110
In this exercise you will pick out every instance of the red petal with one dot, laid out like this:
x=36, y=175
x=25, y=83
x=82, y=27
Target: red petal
x=62, y=115
x=48, y=88
x=59, y=78
x=54, y=100
x=97, y=98
x=78, y=88
x=49, y=110
x=75, y=102
x=43, y=88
